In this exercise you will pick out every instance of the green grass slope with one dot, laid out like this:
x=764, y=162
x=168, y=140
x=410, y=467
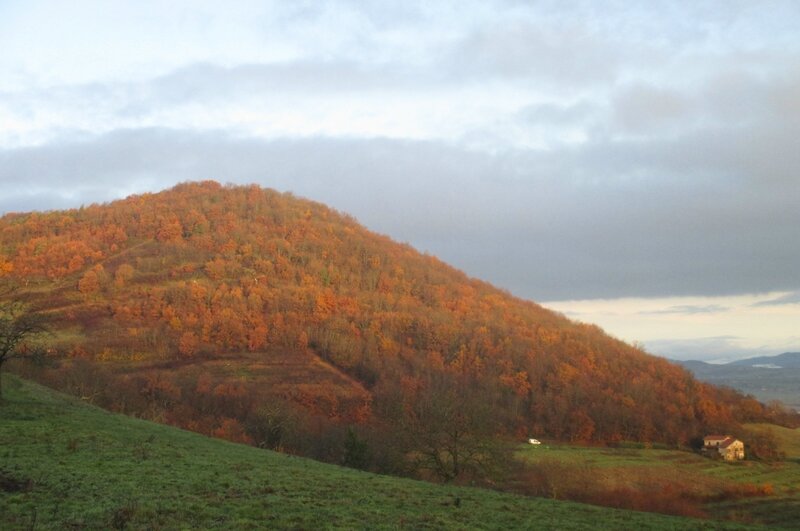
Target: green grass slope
x=731, y=491
x=66, y=465
x=788, y=439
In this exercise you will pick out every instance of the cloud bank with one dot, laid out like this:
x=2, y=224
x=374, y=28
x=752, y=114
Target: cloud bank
x=520, y=219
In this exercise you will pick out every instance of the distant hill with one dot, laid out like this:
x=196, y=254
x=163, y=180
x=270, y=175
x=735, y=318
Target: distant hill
x=787, y=360
x=260, y=317
x=767, y=378
x=67, y=465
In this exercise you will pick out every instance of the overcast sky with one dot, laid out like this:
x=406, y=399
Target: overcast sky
x=633, y=164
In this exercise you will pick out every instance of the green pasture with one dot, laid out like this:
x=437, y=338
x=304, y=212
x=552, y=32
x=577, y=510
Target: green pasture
x=788, y=439
x=67, y=465
x=656, y=470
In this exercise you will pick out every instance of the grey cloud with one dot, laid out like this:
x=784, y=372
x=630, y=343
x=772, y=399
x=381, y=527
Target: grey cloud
x=789, y=298
x=204, y=82
x=528, y=220
x=551, y=56
x=568, y=54
x=42, y=200
x=785, y=98
x=558, y=114
x=762, y=151
x=721, y=349
x=123, y=103
x=729, y=100
x=735, y=94
x=689, y=309
x=642, y=107
x=381, y=14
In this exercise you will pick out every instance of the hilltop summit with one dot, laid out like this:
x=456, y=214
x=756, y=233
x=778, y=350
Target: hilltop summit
x=206, y=294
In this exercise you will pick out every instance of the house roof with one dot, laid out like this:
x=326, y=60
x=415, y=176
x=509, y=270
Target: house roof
x=716, y=437
x=727, y=442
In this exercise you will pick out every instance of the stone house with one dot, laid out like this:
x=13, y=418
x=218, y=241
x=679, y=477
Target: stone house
x=730, y=448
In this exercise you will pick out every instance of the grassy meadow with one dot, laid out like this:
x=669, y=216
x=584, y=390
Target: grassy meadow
x=755, y=492
x=788, y=439
x=67, y=465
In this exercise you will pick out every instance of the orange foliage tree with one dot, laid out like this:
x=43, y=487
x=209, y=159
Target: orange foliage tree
x=253, y=274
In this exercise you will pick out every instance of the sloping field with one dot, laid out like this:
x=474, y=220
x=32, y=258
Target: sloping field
x=66, y=465
x=788, y=439
x=749, y=491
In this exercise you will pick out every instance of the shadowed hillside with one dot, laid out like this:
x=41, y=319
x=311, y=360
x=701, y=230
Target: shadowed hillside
x=263, y=318
x=69, y=466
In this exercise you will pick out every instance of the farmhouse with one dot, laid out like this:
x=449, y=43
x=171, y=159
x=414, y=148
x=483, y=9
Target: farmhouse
x=728, y=447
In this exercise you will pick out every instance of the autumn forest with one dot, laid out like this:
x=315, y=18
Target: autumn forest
x=258, y=317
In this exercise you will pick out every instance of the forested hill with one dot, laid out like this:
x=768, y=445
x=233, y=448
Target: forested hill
x=205, y=303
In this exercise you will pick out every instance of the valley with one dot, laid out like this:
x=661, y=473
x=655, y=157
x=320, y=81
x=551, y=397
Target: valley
x=767, y=378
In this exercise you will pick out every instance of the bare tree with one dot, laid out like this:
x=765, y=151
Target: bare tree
x=18, y=326
x=449, y=430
